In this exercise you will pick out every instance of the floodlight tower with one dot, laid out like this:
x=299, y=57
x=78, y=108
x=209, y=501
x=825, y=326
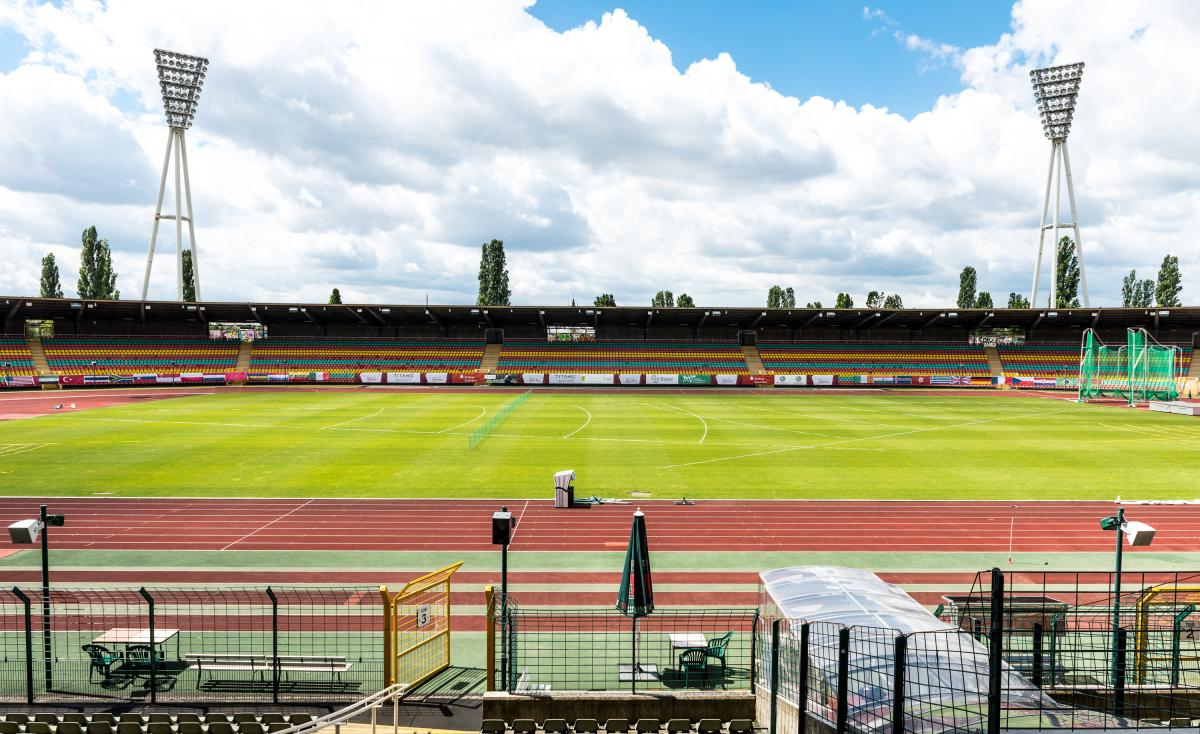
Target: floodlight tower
x=1054, y=90
x=180, y=76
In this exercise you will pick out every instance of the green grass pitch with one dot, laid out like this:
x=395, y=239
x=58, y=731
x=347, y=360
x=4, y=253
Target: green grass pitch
x=736, y=444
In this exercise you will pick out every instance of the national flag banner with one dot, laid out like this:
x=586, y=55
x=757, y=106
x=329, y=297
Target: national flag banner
x=22, y=381
x=277, y=378
x=97, y=379
x=144, y=379
x=884, y=380
x=214, y=377
x=903, y=380
x=122, y=380
x=299, y=376
x=962, y=380
x=72, y=380
x=166, y=379
x=257, y=377
x=235, y=377
x=941, y=380
x=191, y=377
x=48, y=380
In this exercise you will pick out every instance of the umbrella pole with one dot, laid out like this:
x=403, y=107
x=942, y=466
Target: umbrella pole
x=634, y=669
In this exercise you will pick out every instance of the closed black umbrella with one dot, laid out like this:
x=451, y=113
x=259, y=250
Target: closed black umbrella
x=635, y=598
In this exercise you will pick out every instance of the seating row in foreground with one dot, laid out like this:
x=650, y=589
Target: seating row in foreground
x=133, y=723
x=618, y=726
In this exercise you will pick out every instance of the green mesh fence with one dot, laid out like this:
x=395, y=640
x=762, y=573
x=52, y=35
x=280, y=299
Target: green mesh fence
x=494, y=422
x=1139, y=371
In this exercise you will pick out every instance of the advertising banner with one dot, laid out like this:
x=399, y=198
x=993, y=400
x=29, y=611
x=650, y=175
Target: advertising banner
x=533, y=378
x=853, y=379
x=726, y=379
x=465, y=378
x=370, y=378
x=403, y=378
x=436, y=378
x=659, y=379
x=229, y=377
x=755, y=379
x=589, y=379
x=791, y=380
x=695, y=379
x=630, y=379
x=821, y=380
x=563, y=379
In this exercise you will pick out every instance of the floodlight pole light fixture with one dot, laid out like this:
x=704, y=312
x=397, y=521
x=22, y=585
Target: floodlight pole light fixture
x=1139, y=534
x=1055, y=89
x=27, y=532
x=180, y=77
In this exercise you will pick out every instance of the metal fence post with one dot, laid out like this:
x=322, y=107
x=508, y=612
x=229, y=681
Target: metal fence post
x=843, y=680
x=1119, y=667
x=995, y=652
x=899, y=660
x=489, y=597
x=1037, y=655
x=775, y=625
x=753, y=649
x=802, y=682
x=28, y=642
x=275, y=645
x=153, y=646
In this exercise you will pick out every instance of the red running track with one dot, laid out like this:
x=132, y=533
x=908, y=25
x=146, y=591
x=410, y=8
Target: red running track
x=709, y=525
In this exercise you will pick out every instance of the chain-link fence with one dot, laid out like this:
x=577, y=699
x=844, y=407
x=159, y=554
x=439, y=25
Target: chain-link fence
x=261, y=644
x=602, y=650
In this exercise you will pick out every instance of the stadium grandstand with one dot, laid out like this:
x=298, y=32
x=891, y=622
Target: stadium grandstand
x=679, y=357
x=82, y=355
x=873, y=358
x=15, y=358
x=381, y=354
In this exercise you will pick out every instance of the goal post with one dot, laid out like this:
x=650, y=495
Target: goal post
x=1139, y=371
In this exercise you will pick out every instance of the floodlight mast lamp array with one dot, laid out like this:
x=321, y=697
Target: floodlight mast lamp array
x=180, y=78
x=1055, y=89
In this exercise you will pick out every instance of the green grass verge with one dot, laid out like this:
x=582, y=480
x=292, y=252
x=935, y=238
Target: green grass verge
x=388, y=444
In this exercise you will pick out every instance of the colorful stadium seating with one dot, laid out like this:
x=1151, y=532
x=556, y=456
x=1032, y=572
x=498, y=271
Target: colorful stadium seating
x=673, y=357
x=1056, y=360
x=15, y=358
x=90, y=355
x=305, y=354
x=867, y=358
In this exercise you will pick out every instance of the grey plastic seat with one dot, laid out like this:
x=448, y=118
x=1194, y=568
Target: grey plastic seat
x=94, y=727
x=250, y=727
x=69, y=727
x=37, y=727
x=275, y=726
x=524, y=726
x=586, y=726
x=215, y=718
x=300, y=719
x=129, y=727
x=104, y=716
x=708, y=726
x=555, y=726
x=616, y=726
x=188, y=718
x=131, y=718
x=159, y=727
x=493, y=726
x=741, y=726
x=159, y=719
x=51, y=719
x=189, y=727
x=220, y=727
x=272, y=718
x=675, y=726
x=648, y=726
x=19, y=719
x=76, y=717
x=9, y=727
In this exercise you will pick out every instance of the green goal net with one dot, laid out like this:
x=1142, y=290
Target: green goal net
x=1138, y=371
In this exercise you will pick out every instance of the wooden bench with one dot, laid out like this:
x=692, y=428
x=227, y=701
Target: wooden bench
x=260, y=665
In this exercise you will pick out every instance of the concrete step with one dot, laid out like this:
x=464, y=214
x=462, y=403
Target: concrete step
x=491, y=358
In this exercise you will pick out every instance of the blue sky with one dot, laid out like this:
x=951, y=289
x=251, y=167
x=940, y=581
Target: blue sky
x=803, y=49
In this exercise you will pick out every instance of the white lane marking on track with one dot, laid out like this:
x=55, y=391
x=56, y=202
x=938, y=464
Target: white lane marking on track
x=855, y=440
x=520, y=515
x=12, y=449
x=482, y=412
x=353, y=420
x=264, y=527
x=674, y=409
x=585, y=423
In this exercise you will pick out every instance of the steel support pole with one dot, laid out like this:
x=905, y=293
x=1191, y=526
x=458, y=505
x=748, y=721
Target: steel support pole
x=995, y=653
x=1075, y=224
x=899, y=661
x=774, y=680
x=1054, y=243
x=47, y=651
x=1116, y=611
x=1037, y=267
x=179, y=214
x=162, y=185
x=187, y=194
x=28, y=643
x=153, y=647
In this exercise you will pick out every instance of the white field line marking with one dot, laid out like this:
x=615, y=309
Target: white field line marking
x=806, y=415
x=520, y=515
x=770, y=428
x=864, y=438
x=78, y=417
x=12, y=449
x=674, y=409
x=353, y=420
x=585, y=423
x=264, y=527
x=482, y=413
x=1148, y=432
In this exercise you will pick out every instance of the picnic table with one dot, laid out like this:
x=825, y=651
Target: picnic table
x=134, y=636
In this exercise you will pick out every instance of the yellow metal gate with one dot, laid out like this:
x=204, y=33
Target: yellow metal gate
x=416, y=628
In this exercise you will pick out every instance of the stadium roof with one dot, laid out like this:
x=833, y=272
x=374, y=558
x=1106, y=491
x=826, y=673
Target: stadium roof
x=17, y=308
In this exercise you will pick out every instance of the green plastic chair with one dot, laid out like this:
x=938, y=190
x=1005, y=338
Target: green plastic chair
x=693, y=660
x=717, y=646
